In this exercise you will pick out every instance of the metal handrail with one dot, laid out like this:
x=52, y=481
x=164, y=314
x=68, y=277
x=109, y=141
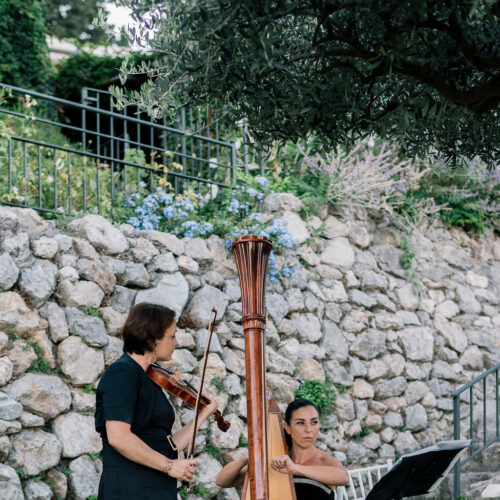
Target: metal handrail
x=110, y=159
x=107, y=136
x=112, y=114
x=479, y=380
x=205, y=161
x=185, y=115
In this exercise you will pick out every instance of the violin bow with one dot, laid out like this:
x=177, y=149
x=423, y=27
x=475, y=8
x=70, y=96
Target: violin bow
x=200, y=388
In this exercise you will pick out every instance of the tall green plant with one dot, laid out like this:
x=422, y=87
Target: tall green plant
x=23, y=50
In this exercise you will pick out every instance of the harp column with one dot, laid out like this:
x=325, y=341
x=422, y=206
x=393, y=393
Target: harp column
x=251, y=254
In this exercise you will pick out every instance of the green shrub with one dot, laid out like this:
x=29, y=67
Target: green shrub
x=218, y=384
x=92, y=311
x=201, y=491
x=364, y=432
x=376, y=176
x=468, y=197
x=84, y=70
x=89, y=389
x=242, y=441
x=40, y=364
x=212, y=450
x=23, y=50
x=58, y=169
x=322, y=394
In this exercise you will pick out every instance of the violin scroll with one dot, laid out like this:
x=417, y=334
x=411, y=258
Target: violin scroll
x=222, y=424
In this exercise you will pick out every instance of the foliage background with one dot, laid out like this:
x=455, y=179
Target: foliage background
x=73, y=19
x=424, y=74
x=88, y=70
x=23, y=50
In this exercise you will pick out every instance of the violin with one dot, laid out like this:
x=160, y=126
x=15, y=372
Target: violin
x=184, y=390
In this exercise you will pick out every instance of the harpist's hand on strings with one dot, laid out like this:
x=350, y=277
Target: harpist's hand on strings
x=283, y=464
x=183, y=469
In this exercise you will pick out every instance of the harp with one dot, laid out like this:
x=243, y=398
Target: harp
x=265, y=430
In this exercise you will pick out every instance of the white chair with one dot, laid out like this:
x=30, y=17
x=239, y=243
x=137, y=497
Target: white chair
x=361, y=481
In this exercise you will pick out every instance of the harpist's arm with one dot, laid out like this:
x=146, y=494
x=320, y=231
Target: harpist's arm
x=330, y=471
x=233, y=474
x=326, y=474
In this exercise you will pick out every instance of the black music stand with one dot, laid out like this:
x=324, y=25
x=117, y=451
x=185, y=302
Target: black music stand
x=420, y=472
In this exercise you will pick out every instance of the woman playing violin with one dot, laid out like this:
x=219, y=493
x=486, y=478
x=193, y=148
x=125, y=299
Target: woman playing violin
x=315, y=473
x=135, y=418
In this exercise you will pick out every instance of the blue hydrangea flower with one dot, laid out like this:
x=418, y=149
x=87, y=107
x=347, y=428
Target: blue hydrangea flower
x=234, y=206
x=169, y=212
x=141, y=211
x=135, y=222
x=151, y=202
x=255, y=217
x=205, y=228
x=253, y=193
x=262, y=181
x=165, y=198
x=189, y=224
x=288, y=272
x=285, y=241
x=129, y=202
x=244, y=207
x=185, y=204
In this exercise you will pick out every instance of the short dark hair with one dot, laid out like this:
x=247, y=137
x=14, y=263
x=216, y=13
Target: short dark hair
x=145, y=325
x=290, y=409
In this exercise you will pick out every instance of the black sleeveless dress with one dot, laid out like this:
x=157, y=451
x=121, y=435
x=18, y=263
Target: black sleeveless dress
x=308, y=489
x=127, y=394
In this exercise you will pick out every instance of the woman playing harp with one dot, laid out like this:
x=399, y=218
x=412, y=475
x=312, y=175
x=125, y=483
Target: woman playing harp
x=315, y=473
x=251, y=254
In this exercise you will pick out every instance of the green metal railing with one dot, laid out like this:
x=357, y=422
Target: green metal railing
x=94, y=171
x=206, y=121
x=482, y=441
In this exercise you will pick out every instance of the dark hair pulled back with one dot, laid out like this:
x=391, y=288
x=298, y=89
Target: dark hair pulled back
x=290, y=409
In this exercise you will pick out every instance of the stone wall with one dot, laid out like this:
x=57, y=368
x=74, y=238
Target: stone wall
x=350, y=314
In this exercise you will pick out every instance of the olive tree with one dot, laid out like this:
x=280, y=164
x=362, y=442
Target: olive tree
x=421, y=72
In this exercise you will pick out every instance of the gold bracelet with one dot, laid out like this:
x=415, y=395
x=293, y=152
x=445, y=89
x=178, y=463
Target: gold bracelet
x=167, y=467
